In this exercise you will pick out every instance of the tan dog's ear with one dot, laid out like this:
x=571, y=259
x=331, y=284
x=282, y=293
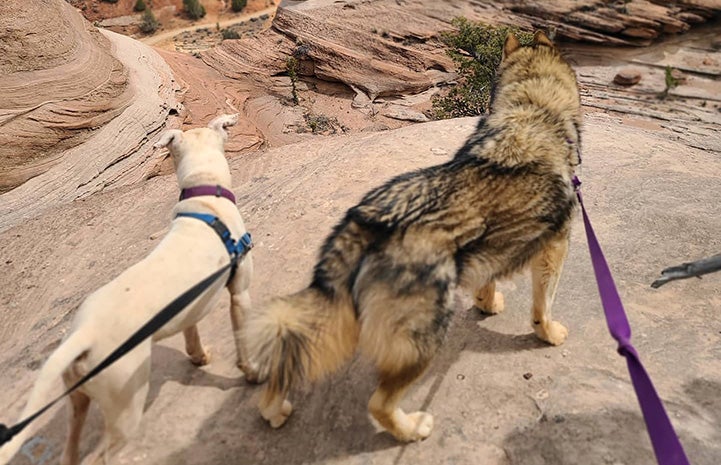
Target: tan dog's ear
x=172, y=135
x=223, y=121
x=512, y=44
x=539, y=38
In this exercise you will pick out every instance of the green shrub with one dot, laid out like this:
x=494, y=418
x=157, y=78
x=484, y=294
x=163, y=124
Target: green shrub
x=139, y=6
x=670, y=80
x=149, y=24
x=194, y=9
x=229, y=34
x=238, y=5
x=321, y=124
x=476, y=49
x=291, y=65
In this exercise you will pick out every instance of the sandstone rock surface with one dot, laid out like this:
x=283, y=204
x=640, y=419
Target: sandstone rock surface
x=60, y=83
x=108, y=91
x=642, y=192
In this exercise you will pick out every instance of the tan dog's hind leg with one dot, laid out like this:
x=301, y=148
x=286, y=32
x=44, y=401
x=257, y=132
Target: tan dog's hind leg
x=383, y=405
x=275, y=408
x=198, y=354
x=546, y=270
x=239, y=308
x=489, y=301
x=78, y=404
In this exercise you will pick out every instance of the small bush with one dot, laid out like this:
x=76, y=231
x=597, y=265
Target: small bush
x=139, y=6
x=194, y=9
x=238, y=5
x=671, y=81
x=149, y=24
x=291, y=65
x=476, y=50
x=229, y=34
x=321, y=124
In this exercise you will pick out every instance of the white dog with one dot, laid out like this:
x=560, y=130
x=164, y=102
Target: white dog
x=190, y=252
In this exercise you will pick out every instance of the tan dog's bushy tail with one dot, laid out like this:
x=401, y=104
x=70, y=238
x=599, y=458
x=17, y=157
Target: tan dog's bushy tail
x=70, y=349
x=302, y=336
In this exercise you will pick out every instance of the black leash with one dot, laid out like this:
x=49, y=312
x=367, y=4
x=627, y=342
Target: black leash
x=147, y=330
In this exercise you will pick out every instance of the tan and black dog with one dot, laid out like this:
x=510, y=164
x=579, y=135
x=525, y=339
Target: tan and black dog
x=384, y=279
x=187, y=254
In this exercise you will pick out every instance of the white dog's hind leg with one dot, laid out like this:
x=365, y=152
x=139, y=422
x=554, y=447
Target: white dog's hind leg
x=122, y=418
x=194, y=348
x=78, y=404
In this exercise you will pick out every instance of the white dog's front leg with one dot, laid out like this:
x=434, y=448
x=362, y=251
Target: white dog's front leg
x=198, y=354
x=239, y=308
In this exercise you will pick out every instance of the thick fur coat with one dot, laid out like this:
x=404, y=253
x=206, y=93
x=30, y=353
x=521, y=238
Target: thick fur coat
x=385, y=275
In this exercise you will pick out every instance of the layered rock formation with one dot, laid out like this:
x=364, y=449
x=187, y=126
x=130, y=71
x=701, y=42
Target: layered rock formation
x=60, y=83
x=390, y=48
x=77, y=108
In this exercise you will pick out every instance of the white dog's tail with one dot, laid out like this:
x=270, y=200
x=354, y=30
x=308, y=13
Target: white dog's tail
x=70, y=349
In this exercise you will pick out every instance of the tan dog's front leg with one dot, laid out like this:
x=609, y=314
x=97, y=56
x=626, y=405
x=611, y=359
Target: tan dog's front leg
x=198, y=354
x=546, y=271
x=488, y=300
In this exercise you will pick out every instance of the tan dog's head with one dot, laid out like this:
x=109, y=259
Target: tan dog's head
x=199, y=154
x=538, y=72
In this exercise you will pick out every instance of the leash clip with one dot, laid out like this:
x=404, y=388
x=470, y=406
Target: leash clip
x=576, y=183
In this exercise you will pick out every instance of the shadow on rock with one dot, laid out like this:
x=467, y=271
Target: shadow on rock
x=168, y=364
x=329, y=422
x=608, y=437
x=330, y=419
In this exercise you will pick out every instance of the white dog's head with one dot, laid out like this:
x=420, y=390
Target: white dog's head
x=199, y=154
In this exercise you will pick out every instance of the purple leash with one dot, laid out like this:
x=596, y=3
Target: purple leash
x=666, y=445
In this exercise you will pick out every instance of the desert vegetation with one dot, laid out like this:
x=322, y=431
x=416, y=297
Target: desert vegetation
x=476, y=49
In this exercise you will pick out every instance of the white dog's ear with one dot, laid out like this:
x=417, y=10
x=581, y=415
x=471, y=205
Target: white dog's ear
x=223, y=121
x=172, y=135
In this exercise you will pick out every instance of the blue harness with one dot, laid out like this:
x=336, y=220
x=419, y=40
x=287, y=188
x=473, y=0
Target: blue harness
x=236, y=250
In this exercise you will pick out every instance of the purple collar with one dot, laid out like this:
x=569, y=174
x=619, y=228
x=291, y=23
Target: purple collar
x=197, y=191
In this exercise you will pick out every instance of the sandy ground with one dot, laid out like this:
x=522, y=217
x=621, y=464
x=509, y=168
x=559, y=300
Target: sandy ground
x=651, y=208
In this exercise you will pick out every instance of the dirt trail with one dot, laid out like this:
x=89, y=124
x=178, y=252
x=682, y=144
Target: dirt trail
x=159, y=40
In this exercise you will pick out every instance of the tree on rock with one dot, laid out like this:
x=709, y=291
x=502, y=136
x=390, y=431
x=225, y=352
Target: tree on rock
x=238, y=5
x=139, y=5
x=194, y=9
x=149, y=24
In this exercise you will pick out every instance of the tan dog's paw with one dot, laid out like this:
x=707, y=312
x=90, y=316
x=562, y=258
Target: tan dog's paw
x=553, y=332
x=491, y=308
x=412, y=426
x=202, y=358
x=423, y=424
x=277, y=417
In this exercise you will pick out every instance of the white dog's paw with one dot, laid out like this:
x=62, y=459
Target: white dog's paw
x=202, y=358
x=253, y=373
